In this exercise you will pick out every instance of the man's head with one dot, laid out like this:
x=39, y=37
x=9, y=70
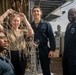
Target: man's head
x=72, y=15
x=36, y=12
x=3, y=41
x=58, y=27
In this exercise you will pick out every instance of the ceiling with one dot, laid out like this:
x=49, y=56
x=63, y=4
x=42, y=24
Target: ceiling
x=49, y=7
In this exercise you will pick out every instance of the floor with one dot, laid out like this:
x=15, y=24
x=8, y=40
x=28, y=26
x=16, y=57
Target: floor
x=56, y=65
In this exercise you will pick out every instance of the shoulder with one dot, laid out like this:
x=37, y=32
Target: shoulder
x=0, y=65
x=0, y=69
x=75, y=24
x=45, y=22
x=1, y=62
x=1, y=59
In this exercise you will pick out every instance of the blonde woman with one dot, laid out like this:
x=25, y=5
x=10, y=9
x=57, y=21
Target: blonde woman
x=16, y=39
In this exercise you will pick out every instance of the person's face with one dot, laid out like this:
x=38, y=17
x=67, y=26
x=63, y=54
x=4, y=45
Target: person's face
x=3, y=41
x=15, y=22
x=36, y=12
x=71, y=16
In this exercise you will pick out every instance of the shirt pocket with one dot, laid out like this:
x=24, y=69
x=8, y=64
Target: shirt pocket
x=43, y=29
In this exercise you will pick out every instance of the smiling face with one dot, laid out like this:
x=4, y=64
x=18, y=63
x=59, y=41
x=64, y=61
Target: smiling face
x=36, y=12
x=72, y=15
x=3, y=42
x=15, y=21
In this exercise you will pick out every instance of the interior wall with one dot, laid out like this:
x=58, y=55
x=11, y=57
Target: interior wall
x=6, y=4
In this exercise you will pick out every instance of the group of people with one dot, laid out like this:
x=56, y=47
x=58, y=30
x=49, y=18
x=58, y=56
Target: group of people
x=13, y=40
x=16, y=41
x=40, y=29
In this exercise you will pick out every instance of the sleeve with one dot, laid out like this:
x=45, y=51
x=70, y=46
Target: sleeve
x=51, y=38
x=0, y=70
x=25, y=32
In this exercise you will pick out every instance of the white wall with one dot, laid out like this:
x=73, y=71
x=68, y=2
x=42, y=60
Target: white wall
x=63, y=21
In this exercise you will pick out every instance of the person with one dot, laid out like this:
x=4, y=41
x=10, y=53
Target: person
x=5, y=14
x=6, y=67
x=69, y=55
x=43, y=33
x=16, y=38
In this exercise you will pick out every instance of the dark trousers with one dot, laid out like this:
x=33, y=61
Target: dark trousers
x=68, y=69
x=19, y=62
x=45, y=65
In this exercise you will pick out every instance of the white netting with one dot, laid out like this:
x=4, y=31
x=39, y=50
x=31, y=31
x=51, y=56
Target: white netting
x=17, y=43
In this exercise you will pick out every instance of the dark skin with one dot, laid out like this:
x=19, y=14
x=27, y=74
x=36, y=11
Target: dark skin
x=71, y=15
x=3, y=42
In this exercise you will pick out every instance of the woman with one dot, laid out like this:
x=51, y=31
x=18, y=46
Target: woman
x=16, y=38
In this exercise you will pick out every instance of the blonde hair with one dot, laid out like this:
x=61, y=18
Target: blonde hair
x=13, y=15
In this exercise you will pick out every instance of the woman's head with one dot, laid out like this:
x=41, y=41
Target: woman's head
x=36, y=12
x=72, y=15
x=15, y=20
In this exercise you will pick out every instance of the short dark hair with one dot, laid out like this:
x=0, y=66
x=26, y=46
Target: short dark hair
x=36, y=7
x=72, y=10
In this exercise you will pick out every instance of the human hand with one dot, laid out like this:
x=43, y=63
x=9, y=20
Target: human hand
x=10, y=11
x=22, y=16
x=51, y=54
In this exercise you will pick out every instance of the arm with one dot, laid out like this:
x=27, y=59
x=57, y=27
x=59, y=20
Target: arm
x=30, y=31
x=2, y=17
x=51, y=40
x=29, y=28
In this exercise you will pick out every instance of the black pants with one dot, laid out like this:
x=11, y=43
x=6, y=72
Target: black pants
x=45, y=65
x=68, y=69
x=44, y=60
x=19, y=62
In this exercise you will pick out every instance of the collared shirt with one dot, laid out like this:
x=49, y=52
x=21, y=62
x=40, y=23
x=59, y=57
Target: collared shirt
x=43, y=34
x=70, y=37
x=6, y=68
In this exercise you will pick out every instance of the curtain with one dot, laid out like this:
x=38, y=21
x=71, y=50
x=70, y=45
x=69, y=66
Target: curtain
x=6, y=4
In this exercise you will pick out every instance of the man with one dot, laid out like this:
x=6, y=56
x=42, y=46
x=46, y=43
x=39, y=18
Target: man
x=43, y=33
x=69, y=56
x=6, y=67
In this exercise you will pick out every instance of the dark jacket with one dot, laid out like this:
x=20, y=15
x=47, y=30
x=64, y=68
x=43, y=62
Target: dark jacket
x=6, y=67
x=43, y=34
x=70, y=44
